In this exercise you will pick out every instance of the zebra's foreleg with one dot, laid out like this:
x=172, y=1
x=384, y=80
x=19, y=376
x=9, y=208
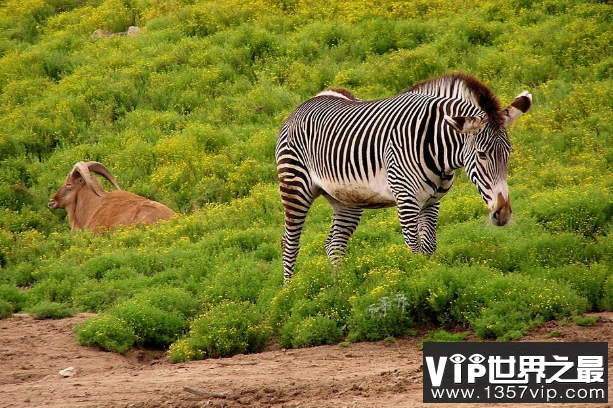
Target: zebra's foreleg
x=408, y=214
x=296, y=202
x=346, y=220
x=426, y=226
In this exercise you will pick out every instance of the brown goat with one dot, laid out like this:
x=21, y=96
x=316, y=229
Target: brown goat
x=90, y=207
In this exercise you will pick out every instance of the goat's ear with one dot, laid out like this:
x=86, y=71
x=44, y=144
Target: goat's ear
x=465, y=124
x=73, y=175
x=520, y=105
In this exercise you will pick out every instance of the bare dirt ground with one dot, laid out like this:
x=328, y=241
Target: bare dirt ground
x=361, y=375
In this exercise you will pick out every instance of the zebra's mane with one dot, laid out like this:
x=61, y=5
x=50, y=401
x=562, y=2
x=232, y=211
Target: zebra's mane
x=338, y=93
x=464, y=87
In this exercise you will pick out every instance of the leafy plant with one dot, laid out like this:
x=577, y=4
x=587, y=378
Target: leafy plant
x=387, y=317
x=13, y=296
x=50, y=310
x=586, y=321
x=315, y=331
x=443, y=336
x=107, y=332
x=170, y=300
x=152, y=327
x=6, y=309
x=554, y=333
x=224, y=330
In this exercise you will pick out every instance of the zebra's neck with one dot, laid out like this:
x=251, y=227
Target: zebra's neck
x=454, y=159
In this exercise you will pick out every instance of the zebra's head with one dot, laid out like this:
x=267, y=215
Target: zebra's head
x=486, y=155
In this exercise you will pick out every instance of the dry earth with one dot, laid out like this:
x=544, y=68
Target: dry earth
x=361, y=375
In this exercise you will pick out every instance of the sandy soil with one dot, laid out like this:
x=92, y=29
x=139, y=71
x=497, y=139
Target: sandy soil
x=361, y=375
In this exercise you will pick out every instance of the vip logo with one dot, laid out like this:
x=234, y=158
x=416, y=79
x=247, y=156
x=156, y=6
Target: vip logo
x=515, y=372
x=504, y=370
x=474, y=369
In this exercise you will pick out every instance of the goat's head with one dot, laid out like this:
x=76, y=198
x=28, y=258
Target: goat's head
x=80, y=176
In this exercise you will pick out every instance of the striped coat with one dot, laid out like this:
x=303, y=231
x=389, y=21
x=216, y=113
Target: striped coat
x=400, y=151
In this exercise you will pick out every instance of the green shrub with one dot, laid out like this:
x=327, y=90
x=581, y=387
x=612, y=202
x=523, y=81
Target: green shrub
x=582, y=211
x=6, y=309
x=12, y=295
x=315, y=331
x=434, y=293
x=50, y=310
x=443, y=336
x=97, y=267
x=505, y=321
x=472, y=243
x=585, y=321
x=506, y=307
x=388, y=316
x=97, y=296
x=238, y=280
x=169, y=300
x=57, y=284
x=588, y=282
x=153, y=327
x=185, y=349
x=226, y=329
x=606, y=303
x=462, y=204
x=107, y=332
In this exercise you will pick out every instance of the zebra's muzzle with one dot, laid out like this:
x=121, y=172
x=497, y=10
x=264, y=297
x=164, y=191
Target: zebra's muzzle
x=501, y=214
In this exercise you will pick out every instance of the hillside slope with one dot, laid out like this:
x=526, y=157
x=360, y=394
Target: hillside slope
x=187, y=112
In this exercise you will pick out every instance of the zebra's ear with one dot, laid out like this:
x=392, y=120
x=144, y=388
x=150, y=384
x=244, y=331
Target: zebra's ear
x=465, y=124
x=520, y=105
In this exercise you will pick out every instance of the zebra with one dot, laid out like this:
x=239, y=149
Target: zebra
x=400, y=151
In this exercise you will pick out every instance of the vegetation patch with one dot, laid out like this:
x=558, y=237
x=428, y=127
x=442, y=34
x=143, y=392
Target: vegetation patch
x=153, y=327
x=106, y=332
x=443, y=336
x=50, y=310
x=586, y=321
x=6, y=309
x=186, y=113
x=225, y=330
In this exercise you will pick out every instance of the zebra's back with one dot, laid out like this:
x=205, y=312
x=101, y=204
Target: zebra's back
x=343, y=143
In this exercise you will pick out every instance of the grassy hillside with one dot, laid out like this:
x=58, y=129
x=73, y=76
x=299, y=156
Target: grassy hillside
x=187, y=112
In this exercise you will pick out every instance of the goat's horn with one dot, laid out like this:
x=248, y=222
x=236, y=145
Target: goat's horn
x=82, y=169
x=103, y=171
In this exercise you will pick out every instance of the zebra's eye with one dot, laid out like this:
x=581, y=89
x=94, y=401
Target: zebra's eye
x=482, y=155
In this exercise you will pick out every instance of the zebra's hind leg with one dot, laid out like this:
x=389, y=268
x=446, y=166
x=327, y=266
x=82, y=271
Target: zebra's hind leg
x=344, y=223
x=297, y=196
x=426, y=225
